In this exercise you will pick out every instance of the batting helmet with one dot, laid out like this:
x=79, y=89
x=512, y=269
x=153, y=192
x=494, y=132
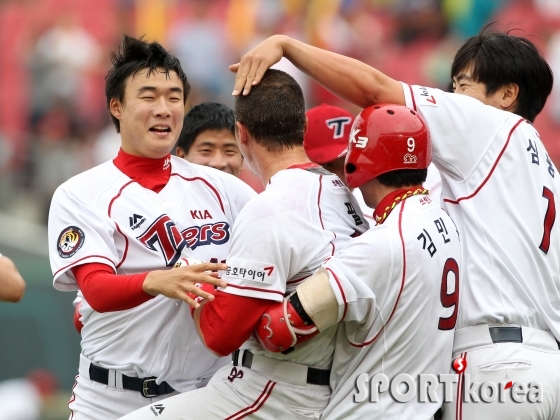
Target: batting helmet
x=328, y=129
x=386, y=138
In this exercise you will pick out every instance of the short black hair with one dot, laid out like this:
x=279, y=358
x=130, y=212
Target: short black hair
x=274, y=111
x=497, y=59
x=134, y=55
x=202, y=117
x=402, y=178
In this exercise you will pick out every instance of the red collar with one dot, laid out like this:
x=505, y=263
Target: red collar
x=388, y=203
x=150, y=173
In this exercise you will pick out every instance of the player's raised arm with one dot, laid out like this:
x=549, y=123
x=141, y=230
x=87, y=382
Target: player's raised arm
x=346, y=77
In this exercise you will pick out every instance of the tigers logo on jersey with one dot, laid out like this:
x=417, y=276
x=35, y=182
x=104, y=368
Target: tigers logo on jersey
x=70, y=241
x=213, y=233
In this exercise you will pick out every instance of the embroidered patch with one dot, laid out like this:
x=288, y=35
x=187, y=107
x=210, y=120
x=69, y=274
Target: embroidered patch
x=70, y=241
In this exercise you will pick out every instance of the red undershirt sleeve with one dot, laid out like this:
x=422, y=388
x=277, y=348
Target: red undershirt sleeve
x=229, y=320
x=106, y=291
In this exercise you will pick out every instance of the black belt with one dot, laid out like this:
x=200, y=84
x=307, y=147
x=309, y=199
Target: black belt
x=145, y=386
x=508, y=335
x=314, y=376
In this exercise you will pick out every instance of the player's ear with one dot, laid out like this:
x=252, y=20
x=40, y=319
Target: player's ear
x=115, y=107
x=180, y=152
x=509, y=96
x=241, y=133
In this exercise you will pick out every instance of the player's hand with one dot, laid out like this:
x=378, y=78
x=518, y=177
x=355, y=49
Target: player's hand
x=179, y=282
x=256, y=62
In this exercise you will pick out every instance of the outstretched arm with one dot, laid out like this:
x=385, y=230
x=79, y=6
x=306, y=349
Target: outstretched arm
x=12, y=285
x=346, y=77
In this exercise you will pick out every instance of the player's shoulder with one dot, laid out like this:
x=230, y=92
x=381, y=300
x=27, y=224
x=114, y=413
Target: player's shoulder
x=91, y=183
x=223, y=181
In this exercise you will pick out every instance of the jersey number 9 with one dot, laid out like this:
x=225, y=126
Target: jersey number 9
x=449, y=300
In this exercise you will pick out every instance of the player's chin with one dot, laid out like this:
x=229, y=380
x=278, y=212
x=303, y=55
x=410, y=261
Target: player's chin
x=162, y=142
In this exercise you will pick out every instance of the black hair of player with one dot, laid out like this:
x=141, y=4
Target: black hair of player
x=274, y=111
x=403, y=178
x=498, y=59
x=134, y=55
x=202, y=117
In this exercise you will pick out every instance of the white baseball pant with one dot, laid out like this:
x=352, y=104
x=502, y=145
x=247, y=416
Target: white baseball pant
x=506, y=380
x=270, y=389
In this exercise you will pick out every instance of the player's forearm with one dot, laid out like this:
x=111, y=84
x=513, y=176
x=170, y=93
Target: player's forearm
x=227, y=322
x=12, y=285
x=346, y=77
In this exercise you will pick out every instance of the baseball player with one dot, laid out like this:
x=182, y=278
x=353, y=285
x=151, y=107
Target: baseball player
x=116, y=231
x=500, y=187
x=208, y=138
x=281, y=237
x=326, y=143
x=12, y=285
x=399, y=305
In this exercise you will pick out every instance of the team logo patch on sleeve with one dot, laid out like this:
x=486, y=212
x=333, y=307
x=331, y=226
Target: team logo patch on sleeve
x=70, y=241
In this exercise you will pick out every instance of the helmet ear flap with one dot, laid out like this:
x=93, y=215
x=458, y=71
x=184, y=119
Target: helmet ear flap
x=386, y=138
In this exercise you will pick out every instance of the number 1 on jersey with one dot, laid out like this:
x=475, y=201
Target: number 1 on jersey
x=549, y=218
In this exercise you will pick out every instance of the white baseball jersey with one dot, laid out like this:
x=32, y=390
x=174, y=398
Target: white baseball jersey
x=499, y=186
x=103, y=216
x=282, y=236
x=433, y=184
x=397, y=287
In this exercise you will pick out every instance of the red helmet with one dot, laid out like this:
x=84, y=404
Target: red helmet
x=386, y=138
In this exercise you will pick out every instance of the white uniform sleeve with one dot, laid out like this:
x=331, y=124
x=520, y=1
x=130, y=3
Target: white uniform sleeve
x=462, y=128
x=360, y=273
x=268, y=247
x=78, y=235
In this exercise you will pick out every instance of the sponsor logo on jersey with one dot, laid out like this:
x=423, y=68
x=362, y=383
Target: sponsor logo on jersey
x=338, y=125
x=426, y=94
x=200, y=214
x=213, y=233
x=157, y=409
x=164, y=233
x=360, y=141
x=136, y=221
x=251, y=271
x=70, y=241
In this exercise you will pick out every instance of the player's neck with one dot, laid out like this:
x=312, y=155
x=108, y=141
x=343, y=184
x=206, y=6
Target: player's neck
x=270, y=163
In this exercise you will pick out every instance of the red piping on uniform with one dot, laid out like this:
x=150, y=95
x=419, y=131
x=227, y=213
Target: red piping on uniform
x=366, y=343
x=491, y=171
x=208, y=184
x=341, y=292
x=235, y=286
x=459, y=405
x=81, y=259
x=413, y=100
x=118, y=228
x=72, y=398
x=259, y=402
